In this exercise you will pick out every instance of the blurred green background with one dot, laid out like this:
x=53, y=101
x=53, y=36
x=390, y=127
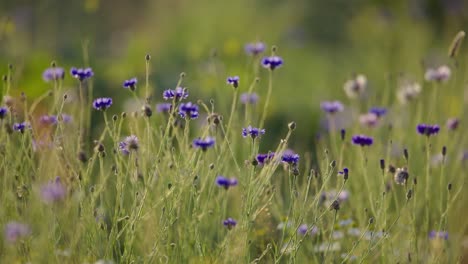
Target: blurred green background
x=322, y=43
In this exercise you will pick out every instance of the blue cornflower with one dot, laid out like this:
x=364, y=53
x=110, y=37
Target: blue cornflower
x=332, y=107
x=249, y=98
x=81, y=74
x=16, y=230
x=290, y=157
x=188, y=110
x=53, y=191
x=102, y=103
x=21, y=127
x=345, y=173
x=204, y=144
x=164, y=107
x=302, y=230
x=229, y=223
x=48, y=120
x=265, y=158
x=254, y=48
x=427, y=130
x=253, y=132
x=52, y=74
x=272, y=62
x=378, y=111
x=234, y=81
x=3, y=112
x=438, y=234
x=130, y=84
x=362, y=140
x=129, y=144
x=178, y=94
x=226, y=182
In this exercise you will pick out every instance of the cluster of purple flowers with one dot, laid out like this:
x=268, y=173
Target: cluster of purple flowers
x=178, y=94
x=53, y=74
x=253, y=132
x=129, y=144
x=102, y=104
x=272, y=62
x=81, y=73
x=188, y=110
x=362, y=140
x=428, y=130
x=203, y=144
x=226, y=182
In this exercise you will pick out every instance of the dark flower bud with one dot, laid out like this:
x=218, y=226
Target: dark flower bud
x=444, y=151
x=147, y=111
x=292, y=125
x=449, y=186
x=343, y=134
x=382, y=164
x=82, y=157
x=295, y=171
x=391, y=169
x=115, y=117
x=182, y=74
x=147, y=57
x=123, y=115
x=335, y=205
x=53, y=64
x=169, y=186
x=371, y=220
x=415, y=181
x=102, y=154
x=65, y=96
x=333, y=164
x=5, y=78
x=254, y=162
x=405, y=154
x=409, y=194
x=212, y=166
x=100, y=147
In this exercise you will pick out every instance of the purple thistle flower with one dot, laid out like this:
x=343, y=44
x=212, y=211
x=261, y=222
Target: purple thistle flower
x=440, y=74
x=438, y=235
x=15, y=230
x=254, y=48
x=52, y=74
x=130, y=84
x=81, y=74
x=249, y=98
x=102, y=104
x=129, y=144
x=226, y=182
x=163, y=107
x=48, y=120
x=290, y=157
x=272, y=62
x=3, y=112
x=362, y=140
x=229, y=223
x=378, y=111
x=204, y=144
x=253, y=132
x=188, y=110
x=428, y=130
x=53, y=191
x=234, y=81
x=332, y=107
x=178, y=94
x=452, y=123
x=265, y=158
x=21, y=127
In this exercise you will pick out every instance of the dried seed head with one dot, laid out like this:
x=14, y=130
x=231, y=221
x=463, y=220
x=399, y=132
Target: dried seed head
x=292, y=126
x=335, y=205
x=456, y=44
x=212, y=166
x=123, y=115
x=382, y=164
x=115, y=117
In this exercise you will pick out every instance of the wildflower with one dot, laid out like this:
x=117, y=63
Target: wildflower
x=204, y=144
x=427, y=130
x=331, y=107
x=440, y=74
x=163, y=107
x=188, y=110
x=21, y=127
x=453, y=123
x=335, y=205
x=290, y=157
x=53, y=74
x=304, y=229
x=16, y=230
x=234, y=81
x=345, y=173
x=48, y=120
x=226, y=182
x=438, y=235
x=272, y=62
x=362, y=140
x=401, y=175
x=378, y=111
x=129, y=144
x=408, y=91
x=369, y=119
x=130, y=84
x=102, y=103
x=229, y=223
x=53, y=191
x=355, y=87
x=456, y=43
x=178, y=94
x=66, y=118
x=253, y=132
x=249, y=98
x=3, y=112
x=264, y=158
x=81, y=74
x=254, y=48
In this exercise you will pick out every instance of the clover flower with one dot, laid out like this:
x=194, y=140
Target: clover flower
x=130, y=84
x=249, y=98
x=203, y=144
x=53, y=191
x=128, y=145
x=362, y=140
x=81, y=73
x=331, y=107
x=188, y=110
x=272, y=62
x=226, y=182
x=427, y=130
x=102, y=104
x=229, y=223
x=254, y=48
x=355, y=87
x=234, y=81
x=253, y=132
x=178, y=94
x=53, y=74
x=16, y=230
x=440, y=74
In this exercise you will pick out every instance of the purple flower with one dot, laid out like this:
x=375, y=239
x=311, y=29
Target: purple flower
x=332, y=107
x=130, y=84
x=272, y=62
x=21, y=127
x=178, y=94
x=81, y=74
x=362, y=140
x=369, y=119
x=265, y=158
x=234, y=81
x=440, y=74
x=48, y=120
x=163, y=107
x=3, y=112
x=253, y=132
x=428, y=130
x=302, y=230
x=438, y=235
x=102, y=103
x=229, y=223
x=53, y=191
x=204, y=144
x=254, y=48
x=290, y=157
x=188, y=110
x=226, y=182
x=378, y=111
x=15, y=230
x=67, y=118
x=52, y=74
x=129, y=144
x=453, y=123
x=249, y=98
x=344, y=172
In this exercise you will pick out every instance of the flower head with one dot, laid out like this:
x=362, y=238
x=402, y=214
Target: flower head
x=362, y=140
x=130, y=84
x=203, y=144
x=440, y=74
x=53, y=191
x=226, y=182
x=331, y=107
x=408, y=91
x=21, y=127
x=178, y=94
x=234, y=81
x=129, y=144
x=102, y=104
x=272, y=62
x=229, y=223
x=52, y=74
x=253, y=132
x=401, y=176
x=3, y=112
x=355, y=87
x=290, y=157
x=249, y=98
x=438, y=235
x=81, y=74
x=265, y=158
x=164, y=107
x=67, y=118
x=369, y=119
x=254, y=48
x=15, y=230
x=453, y=123
x=304, y=229
x=378, y=111
x=188, y=110
x=427, y=130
